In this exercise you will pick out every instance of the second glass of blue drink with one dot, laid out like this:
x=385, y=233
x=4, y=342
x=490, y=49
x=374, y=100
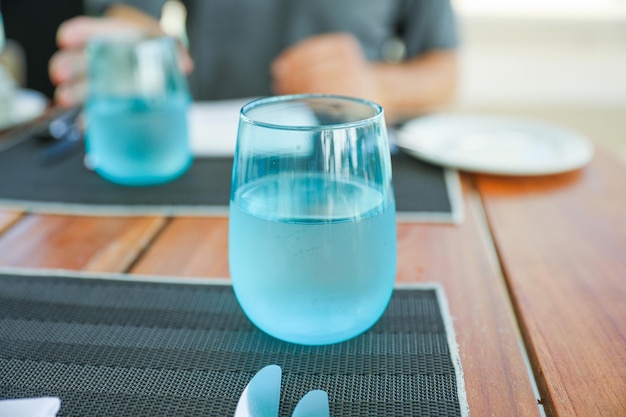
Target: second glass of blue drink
x=136, y=111
x=312, y=232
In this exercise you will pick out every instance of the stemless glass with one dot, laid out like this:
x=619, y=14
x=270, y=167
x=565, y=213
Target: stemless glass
x=136, y=111
x=312, y=231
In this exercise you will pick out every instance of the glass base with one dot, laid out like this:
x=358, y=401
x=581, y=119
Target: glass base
x=143, y=179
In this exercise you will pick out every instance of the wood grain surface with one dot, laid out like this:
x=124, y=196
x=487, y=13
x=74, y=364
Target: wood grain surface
x=188, y=246
x=8, y=218
x=462, y=259
x=562, y=244
x=76, y=242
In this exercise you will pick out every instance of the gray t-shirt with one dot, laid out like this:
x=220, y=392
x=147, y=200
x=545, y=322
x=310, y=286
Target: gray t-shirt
x=233, y=42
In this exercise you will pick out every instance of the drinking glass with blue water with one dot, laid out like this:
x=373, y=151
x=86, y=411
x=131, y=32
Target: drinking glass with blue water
x=136, y=110
x=312, y=231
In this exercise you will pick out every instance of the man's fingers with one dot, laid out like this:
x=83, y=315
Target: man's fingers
x=313, y=64
x=71, y=94
x=76, y=32
x=316, y=77
x=321, y=64
x=322, y=46
x=67, y=65
x=316, y=50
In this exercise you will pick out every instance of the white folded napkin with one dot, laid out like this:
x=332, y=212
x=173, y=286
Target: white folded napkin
x=30, y=407
x=213, y=126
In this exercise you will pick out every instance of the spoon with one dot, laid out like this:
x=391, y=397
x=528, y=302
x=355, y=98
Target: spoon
x=313, y=404
x=261, y=396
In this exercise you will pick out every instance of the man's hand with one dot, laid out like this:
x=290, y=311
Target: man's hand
x=335, y=64
x=330, y=64
x=68, y=66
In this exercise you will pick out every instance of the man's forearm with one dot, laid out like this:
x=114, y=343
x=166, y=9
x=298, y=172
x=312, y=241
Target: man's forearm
x=417, y=86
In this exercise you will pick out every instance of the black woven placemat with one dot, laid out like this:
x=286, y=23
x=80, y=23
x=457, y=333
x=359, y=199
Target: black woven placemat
x=120, y=347
x=66, y=186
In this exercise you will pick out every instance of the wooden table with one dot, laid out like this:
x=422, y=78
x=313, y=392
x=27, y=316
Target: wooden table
x=535, y=277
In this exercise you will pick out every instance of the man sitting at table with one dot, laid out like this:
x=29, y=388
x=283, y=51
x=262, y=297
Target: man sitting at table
x=400, y=54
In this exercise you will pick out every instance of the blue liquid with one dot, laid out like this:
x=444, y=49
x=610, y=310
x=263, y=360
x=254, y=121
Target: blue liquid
x=306, y=273
x=136, y=141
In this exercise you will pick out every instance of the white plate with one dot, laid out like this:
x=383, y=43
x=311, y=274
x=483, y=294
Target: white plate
x=27, y=105
x=494, y=145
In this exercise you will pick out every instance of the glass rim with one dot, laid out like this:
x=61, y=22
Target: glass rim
x=243, y=113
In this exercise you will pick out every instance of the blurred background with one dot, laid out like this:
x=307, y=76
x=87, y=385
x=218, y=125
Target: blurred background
x=559, y=60
x=551, y=52
x=546, y=59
